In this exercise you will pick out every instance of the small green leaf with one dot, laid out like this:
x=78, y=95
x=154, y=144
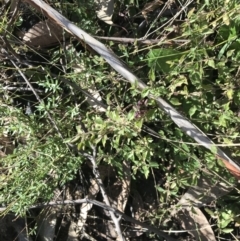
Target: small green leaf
x=173, y=185
x=222, y=121
x=104, y=139
x=229, y=94
x=210, y=212
x=230, y=52
x=227, y=230
x=214, y=149
x=139, y=123
x=211, y=63
x=175, y=101
x=145, y=171
x=226, y=215
x=131, y=115
x=160, y=189
x=153, y=164
x=192, y=111
x=145, y=92
x=224, y=223
x=190, y=13
x=151, y=74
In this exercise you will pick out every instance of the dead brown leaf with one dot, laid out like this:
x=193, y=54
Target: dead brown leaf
x=43, y=34
x=190, y=216
x=105, y=10
x=151, y=6
x=193, y=220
